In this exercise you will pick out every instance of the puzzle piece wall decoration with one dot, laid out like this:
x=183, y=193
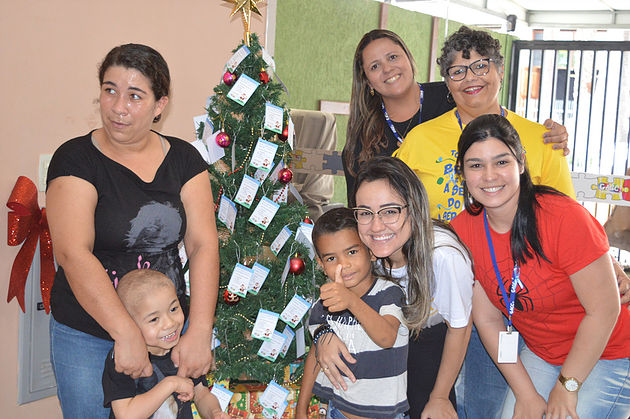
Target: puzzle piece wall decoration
x=610, y=189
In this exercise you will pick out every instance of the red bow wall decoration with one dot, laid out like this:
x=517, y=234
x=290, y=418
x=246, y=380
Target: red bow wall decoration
x=27, y=223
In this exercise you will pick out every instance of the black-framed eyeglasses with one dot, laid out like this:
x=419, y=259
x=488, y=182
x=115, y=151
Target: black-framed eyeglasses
x=478, y=68
x=388, y=215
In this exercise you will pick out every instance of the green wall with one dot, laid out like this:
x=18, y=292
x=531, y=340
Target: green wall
x=315, y=43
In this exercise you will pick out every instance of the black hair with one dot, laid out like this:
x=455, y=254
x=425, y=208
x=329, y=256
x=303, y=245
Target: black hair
x=144, y=59
x=524, y=241
x=333, y=221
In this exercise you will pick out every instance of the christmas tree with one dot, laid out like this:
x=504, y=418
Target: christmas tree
x=262, y=270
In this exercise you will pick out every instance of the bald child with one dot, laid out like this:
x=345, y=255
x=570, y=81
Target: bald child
x=150, y=298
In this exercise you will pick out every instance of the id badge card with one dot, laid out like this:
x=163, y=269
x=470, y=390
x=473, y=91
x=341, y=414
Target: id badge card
x=508, y=347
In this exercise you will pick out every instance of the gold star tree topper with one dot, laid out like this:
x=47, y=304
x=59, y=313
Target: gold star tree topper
x=245, y=7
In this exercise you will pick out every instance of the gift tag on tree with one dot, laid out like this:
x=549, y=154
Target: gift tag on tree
x=294, y=311
x=200, y=123
x=276, y=171
x=291, y=131
x=237, y=58
x=239, y=281
x=304, y=236
x=215, y=151
x=261, y=174
x=280, y=196
x=227, y=212
x=208, y=130
x=223, y=395
x=247, y=191
x=258, y=278
x=274, y=118
x=263, y=155
x=215, y=340
x=280, y=240
x=295, y=193
x=243, y=89
x=264, y=213
x=300, y=343
x=274, y=398
x=205, y=142
x=265, y=325
x=271, y=349
x=285, y=271
x=268, y=59
x=289, y=335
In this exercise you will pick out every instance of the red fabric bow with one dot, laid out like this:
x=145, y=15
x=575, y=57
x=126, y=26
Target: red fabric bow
x=27, y=223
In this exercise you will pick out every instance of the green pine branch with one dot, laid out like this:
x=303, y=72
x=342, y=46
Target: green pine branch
x=237, y=357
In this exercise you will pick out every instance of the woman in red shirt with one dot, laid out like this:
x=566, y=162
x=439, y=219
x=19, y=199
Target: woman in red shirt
x=542, y=261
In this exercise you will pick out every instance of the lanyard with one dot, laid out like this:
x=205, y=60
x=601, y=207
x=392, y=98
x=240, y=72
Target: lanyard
x=459, y=119
x=516, y=273
x=391, y=124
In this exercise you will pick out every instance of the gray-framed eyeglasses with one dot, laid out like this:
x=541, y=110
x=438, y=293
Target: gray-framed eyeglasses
x=388, y=215
x=478, y=68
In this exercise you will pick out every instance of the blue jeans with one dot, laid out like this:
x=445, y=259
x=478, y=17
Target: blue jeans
x=604, y=394
x=480, y=388
x=78, y=359
x=334, y=413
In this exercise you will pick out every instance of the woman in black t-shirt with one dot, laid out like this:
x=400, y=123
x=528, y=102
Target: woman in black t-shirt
x=119, y=198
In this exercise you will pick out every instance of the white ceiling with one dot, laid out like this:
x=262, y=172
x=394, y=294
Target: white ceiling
x=566, y=14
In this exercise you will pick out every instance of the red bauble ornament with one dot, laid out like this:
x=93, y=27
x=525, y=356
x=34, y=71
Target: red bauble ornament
x=285, y=175
x=263, y=76
x=296, y=265
x=230, y=298
x=285, y=134
x=229, y=78
x=307, y=220
x=223, y=139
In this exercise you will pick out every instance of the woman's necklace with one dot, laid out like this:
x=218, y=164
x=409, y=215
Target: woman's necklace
x=459, y=119
x=391, y=124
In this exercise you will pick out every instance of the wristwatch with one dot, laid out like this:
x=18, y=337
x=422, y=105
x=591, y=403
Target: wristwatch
x=570, y=383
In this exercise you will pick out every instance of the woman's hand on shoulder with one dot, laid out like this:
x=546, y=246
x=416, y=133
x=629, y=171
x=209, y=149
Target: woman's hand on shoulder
x=530, y=407
x=131, y=356
x=329, y=349
x=439, y=408
x=562, y=403
x=192, y=355
x=557, y=135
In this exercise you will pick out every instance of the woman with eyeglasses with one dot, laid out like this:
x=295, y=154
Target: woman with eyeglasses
x=433, y=267
x=472, y=65
x=386, y=103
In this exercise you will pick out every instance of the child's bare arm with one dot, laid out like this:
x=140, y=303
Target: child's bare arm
x=311, y=369
x=208, y=404
x=336, y=297
x=383, y=330
x=144, y=405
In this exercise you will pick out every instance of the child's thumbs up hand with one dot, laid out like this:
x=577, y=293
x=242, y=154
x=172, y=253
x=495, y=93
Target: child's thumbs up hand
x=335, y=296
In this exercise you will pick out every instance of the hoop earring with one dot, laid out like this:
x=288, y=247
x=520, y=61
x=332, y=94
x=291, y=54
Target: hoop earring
x=371, y=91
x=157, y=118
x=449, y=98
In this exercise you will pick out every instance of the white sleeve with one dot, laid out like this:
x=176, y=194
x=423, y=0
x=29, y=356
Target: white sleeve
x=393, y=297
x=453, y=284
